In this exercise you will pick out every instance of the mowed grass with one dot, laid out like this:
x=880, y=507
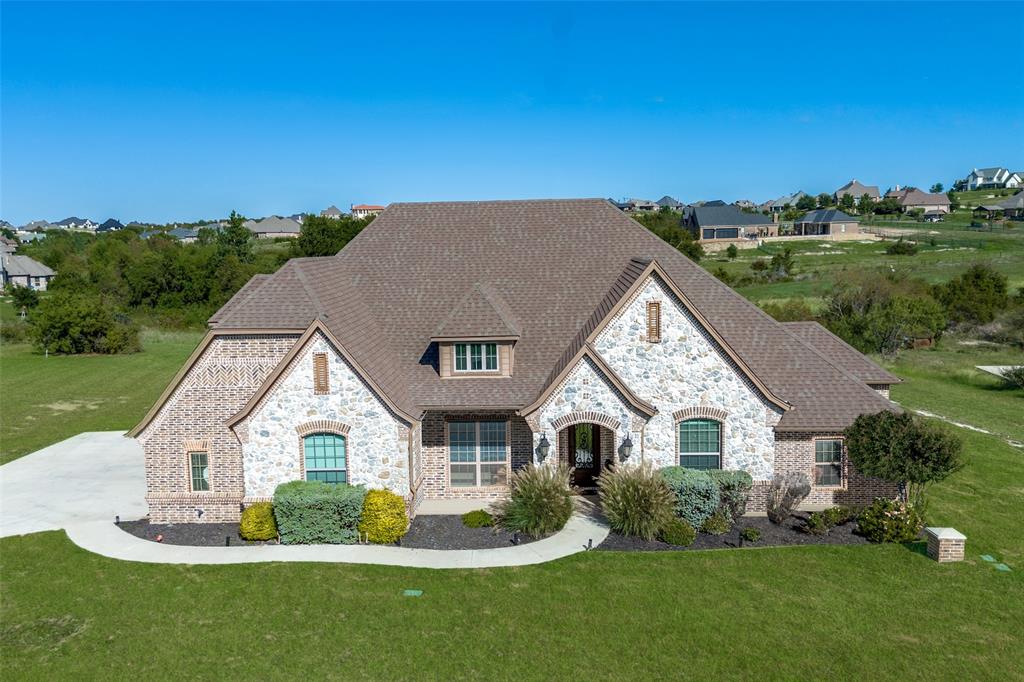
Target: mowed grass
x=866, y=612
x=48, y=399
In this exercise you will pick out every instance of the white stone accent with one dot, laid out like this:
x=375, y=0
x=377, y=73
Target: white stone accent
x=376, y=445
x=687, y=369
x=585, y=389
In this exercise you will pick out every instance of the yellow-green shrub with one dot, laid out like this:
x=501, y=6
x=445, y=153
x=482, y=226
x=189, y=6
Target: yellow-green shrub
x=383, y=520
x=258, y=522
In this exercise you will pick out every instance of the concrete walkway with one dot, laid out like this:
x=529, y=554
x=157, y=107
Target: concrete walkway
x=92, y=477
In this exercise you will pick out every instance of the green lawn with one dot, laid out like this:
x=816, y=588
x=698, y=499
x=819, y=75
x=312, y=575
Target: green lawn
x=48, y=399
x=872, y=612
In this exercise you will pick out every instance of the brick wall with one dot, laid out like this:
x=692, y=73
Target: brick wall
x=218, y=385
x=795, y=452
x=434, y=454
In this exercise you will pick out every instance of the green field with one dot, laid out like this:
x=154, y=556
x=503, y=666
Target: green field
x=48, y=399
x=868, y=612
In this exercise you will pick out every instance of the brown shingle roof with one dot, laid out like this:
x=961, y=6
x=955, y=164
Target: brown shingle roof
x=557, y=265
x=840, y=354
x=482, y=312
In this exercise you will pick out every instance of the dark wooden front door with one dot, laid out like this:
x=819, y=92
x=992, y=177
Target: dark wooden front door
x=585, y=454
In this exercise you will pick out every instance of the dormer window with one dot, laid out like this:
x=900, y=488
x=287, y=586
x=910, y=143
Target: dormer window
x=476, y=357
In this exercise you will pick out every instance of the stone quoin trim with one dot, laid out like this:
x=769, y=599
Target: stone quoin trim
x=700, y=412
x=323, y=426
x=586, y=417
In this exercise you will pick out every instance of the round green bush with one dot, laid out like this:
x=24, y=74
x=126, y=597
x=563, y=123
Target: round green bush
x=478, y=518
x=258, y=522
x=889, y=521
x=696, y=493
x=677, y=532
x=384, y=520
x=750, y=534
x=718, y=523
x=636, y=500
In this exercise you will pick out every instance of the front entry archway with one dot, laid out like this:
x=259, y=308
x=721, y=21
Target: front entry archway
x=587, y=449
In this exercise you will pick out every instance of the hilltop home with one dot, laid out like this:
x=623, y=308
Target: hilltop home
x=992, y=178
x=452, y=343
x=22, y=271
x=856, y=190
x=715, y=223
x=826, y=222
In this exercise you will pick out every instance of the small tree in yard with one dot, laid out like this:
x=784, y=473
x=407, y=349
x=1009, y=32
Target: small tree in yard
x=824, y=200
x=936, y=188
x=905, y=450
x=846, y=202
x=806, y=203
x=23, y=297
x=732, y=252
x=865, y=205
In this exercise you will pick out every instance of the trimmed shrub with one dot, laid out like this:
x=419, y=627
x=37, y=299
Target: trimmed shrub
x=889, y=521
x=314, y=512
x=636, y=500
x=733, y=487
x=718, y=523
x=785, y=494
x=384, y=519
x=540, y=501
x=697, y=495
x=258, y=522
x=901, y=248
x=478, y=518
x=821, y=522
x=677, y=532
x=23, y=297
x=750, y=534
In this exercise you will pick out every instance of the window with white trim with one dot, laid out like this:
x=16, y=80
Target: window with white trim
x=477, y=453
x=476, y=357
x=700, y=444
x=828, y=462
x=199, y=470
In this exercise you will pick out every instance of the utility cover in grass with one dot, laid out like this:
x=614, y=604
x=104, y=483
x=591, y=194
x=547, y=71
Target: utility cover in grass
x=987, y=557
x=1002, y=567
x=413, y=593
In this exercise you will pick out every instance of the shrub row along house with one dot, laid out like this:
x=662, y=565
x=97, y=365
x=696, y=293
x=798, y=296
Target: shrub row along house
x=452, y=343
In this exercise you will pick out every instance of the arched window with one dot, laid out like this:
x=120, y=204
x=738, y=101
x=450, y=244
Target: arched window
x=325, y=457
x=700, y=444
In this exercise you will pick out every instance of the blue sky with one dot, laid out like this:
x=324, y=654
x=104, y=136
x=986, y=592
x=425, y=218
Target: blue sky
x=181, y=111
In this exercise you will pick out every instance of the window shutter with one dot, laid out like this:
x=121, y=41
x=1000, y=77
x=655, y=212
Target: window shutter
x=654, y=322
x=320, y=384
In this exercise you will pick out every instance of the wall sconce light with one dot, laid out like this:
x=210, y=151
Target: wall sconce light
x=543, y=448
x=626, y=449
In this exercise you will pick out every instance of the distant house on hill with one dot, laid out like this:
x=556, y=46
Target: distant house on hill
x=636, y=205
x=825, y=222
x=857, y=190
x=745, y=203
x=1013, y=208
x=782, y=203
x=331, y=211
x=717, y=223
x=38, y=226
x=670, y=202
x=274, y=227
x=183, y=235
x=22, y=271
x=76, y=223
x=8, y=245
x=926, y=201
x=992, y=178
x=365, y=210
x=110, y=225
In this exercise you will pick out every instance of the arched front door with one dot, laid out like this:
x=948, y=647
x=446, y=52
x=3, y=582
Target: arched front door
x=585, y=454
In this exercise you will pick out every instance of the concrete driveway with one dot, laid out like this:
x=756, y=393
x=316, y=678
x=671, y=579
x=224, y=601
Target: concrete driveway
x=90, y=477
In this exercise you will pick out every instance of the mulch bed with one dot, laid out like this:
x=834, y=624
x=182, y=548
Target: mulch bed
x=445, y=531
x=189, y=534
x=787, y=533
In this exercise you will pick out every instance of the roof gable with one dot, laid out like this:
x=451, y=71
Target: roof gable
x=481, y=313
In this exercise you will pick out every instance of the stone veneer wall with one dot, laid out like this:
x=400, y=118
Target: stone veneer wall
x=585, y=395
x=218, y=385
x=795, y=452
x=376, y=444
x=434, y=447
x=687, y=371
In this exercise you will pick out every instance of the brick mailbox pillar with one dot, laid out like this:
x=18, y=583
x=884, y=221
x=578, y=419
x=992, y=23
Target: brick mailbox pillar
x=945, y=544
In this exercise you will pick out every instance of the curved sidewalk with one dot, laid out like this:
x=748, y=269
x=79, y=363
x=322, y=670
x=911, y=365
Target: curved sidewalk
x=103, y=537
